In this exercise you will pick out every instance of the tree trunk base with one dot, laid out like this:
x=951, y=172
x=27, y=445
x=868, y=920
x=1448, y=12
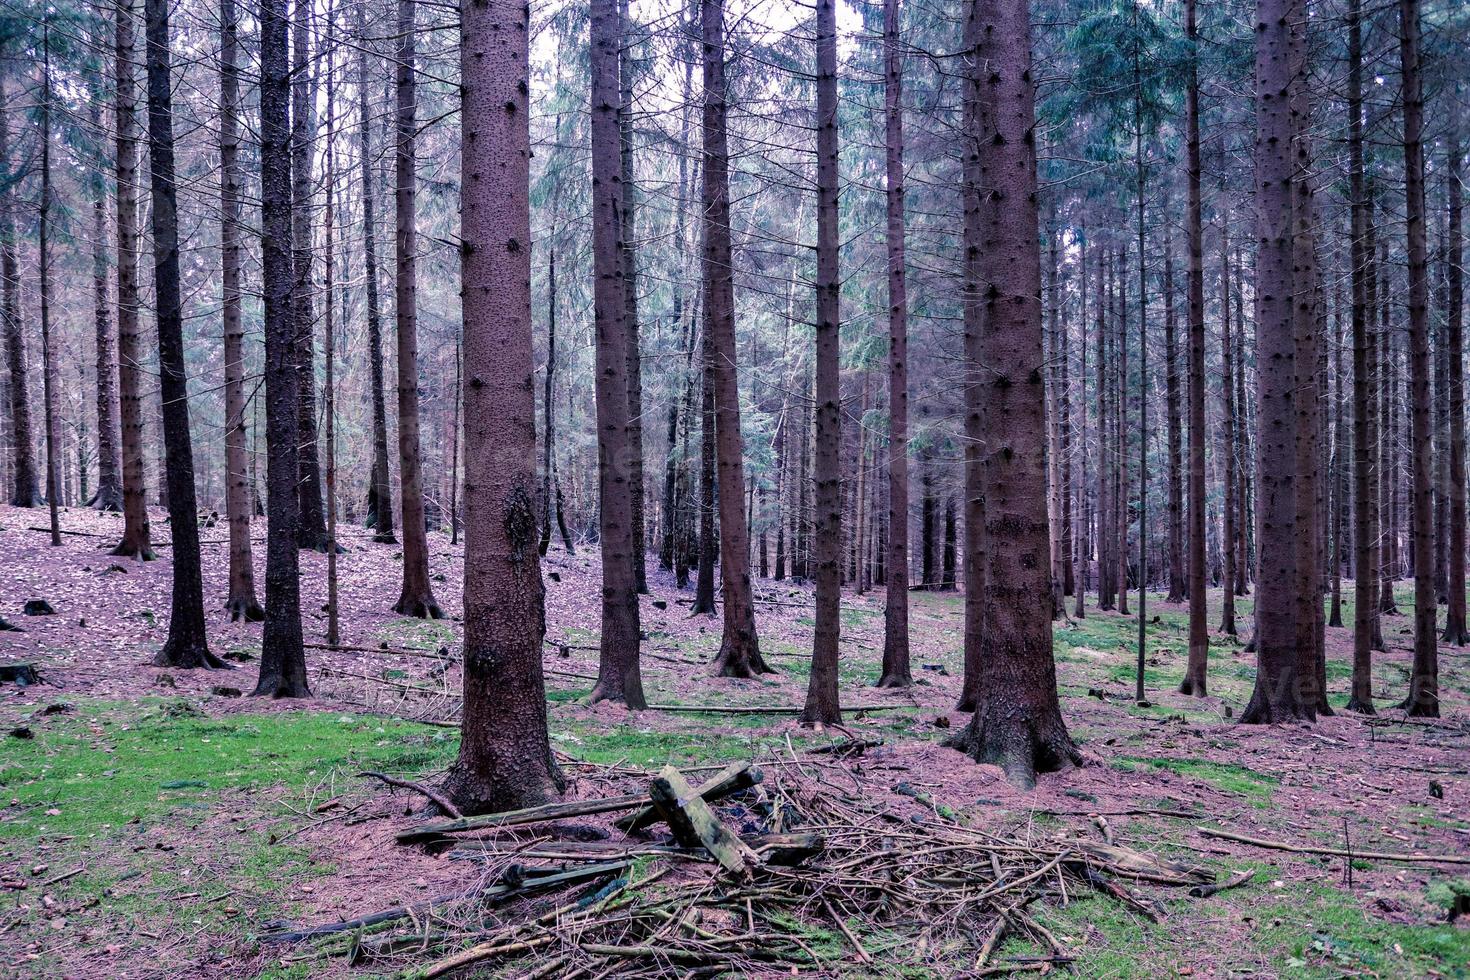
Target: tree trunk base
x=245, y=608
x=188, y=657
x=107, y=500
x=131, y=549
x=742, y=660
x=1022, y=746
x=1263, y=711
x=1360, y=707
x=1194, y=685
x=1335, y=619
x=897, y=680
x=1455, y=634
x=418, y=607
x=279, y=687
x=604, y=691
x=474, y=794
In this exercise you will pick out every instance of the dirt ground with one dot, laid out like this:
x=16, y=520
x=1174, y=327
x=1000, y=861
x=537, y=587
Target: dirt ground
x=271, y=824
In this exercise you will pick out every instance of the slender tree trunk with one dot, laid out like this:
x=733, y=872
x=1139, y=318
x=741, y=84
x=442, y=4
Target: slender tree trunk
x=739, y=654
x=25, y=491
x=822, y=703
x=1178, y=570
x=329, y=335
x=1017, y=722
x=704, y=587
x=43, y=235
x=380, y=493
x=311, y=528
x=1278, y=688
x=505, y=759
x=187, y=645
x=1244, y=456
x=1228, y=423
x=619, y=678
x=1121, y=513
x=627, y=247
x=896, y=672
x=548, y=407
x=108, y=496
x=1082, y=547
x=1455, y=630
x=1199, y=634
x=1423, y=699
x=136, y=538
x=241, y=601
x=1337, y=518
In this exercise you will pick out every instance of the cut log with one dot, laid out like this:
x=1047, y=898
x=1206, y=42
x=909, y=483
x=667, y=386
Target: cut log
x=694, y=824
x=21, y=675
x=732, y=779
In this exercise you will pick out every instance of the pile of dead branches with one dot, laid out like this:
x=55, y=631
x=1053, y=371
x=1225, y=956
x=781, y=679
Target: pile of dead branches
x=744, y=875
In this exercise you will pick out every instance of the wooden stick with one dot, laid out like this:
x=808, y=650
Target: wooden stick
x=450, y=810
x=761, y=709
x=1275, y=845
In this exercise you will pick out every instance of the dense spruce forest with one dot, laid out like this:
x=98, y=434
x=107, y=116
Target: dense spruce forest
x=733, y=488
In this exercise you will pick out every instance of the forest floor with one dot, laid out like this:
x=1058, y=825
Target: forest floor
x=154, y=822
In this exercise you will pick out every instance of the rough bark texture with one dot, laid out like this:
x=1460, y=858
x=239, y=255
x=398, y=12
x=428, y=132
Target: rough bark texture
x=43, y=249
x=896, y=671
x=619, y=678
x=108, y=496
x=187, y=645
x=505, y=760
x=380, y=494
x=1199, y=633
x=822, y=705
x=1228, y=443
x=311, y=528
x=1423, y=699
x=137, y=535
x=1178, y=568
x=628, y=248
x=241, y=601
x=417, y=597
x=740, y=654
x=24, y=491
x=1455, y=629
x=1278, y=688
x=1018, y=721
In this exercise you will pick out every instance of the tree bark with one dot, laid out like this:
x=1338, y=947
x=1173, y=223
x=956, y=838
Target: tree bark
x=1017, y=722
x=1423, y=699
x=241, y=601
x=43, y=235
x=282, y=658
x=417, y=596
x=1455, y=629
x=380, y=494
x=187, y=645
x=108, y=496
x=896, y=670
x=739, y=654
x=25, y=491
x=1195, y=679
x=311, y=528
x=619, y=678
x=627, y=247
x=1231, y=408
x=505, y=760
x=822, y=703
x=1178, y=568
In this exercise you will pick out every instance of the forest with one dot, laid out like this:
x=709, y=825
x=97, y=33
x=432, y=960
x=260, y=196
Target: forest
x=672, y=488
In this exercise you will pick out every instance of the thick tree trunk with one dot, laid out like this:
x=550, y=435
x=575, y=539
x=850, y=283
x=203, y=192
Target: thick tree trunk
x=241, y=601
x=311, y=528
x=628, y=248
x=1455, y=629
x=24, y=492
x=619, y=678
x=282, y=659
x=505, y=760
x=1195, y=680
x=1278, y=688
x=380, y=493
x=417, y=597
x=1017, y=722
x=822, y=703
x=1423, y=699
x=740, y=654
x=896, y=671
x=187, y=645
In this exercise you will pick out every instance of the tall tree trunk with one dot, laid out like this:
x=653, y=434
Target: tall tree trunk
x=282, y=658
x=619, y=678
x=1178, y=569
x=740, y=654
x=1244, y=455
x=380, y=493
x=43, y=235
x=108, y=496
x=1121, y=513
x=1423, y=699
x=417, y=597
x=505, y=759
x=551, y=501
x=704, y=586
x=1337, y=516
x=1017, y=722
x=24, y=492
x=822, y=703
x=136, y=538
x=241, y=601
x=628, y=248
x=1278, y=687
x=896, y=671
x=1455, y=630
x=1082, y=540
x=187, y=645
x=311, y=528
x=1231, y=409
x=329, y=342
x=1199, y=633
